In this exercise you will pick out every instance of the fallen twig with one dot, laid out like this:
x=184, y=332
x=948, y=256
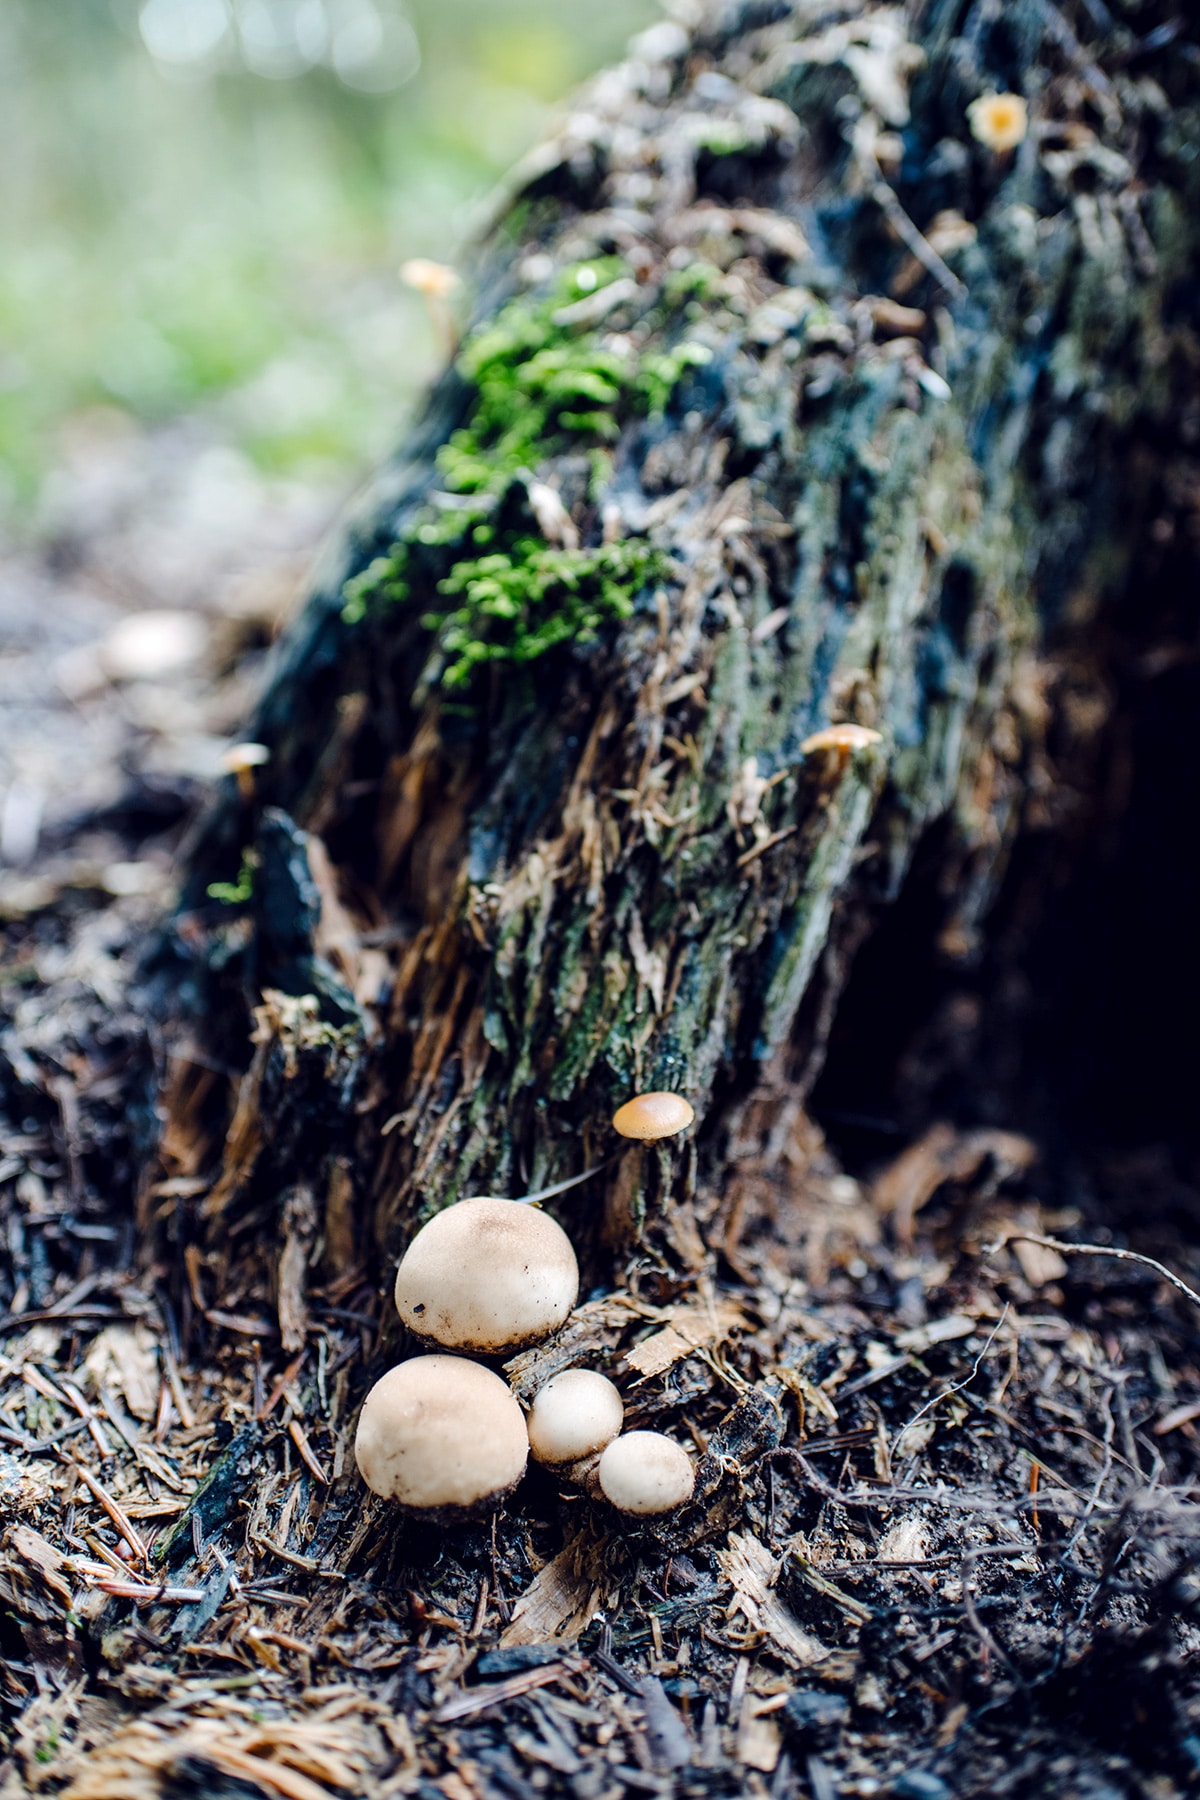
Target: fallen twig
x=958, y=1385
x=145, y=1595
x=116, y=1513
x=1060, y=1244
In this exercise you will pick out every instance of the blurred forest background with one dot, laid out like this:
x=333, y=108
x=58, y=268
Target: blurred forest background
x=205, y=343
x=205, y=203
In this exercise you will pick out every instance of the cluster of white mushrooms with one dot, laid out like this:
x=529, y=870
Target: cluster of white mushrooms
x=488, y=1277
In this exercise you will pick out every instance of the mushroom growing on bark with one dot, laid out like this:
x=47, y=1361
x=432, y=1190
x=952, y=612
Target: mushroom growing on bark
x=241, y=760
x=999, y=121
x=487, y=1275
x=651, y=1116
x=441, y=1434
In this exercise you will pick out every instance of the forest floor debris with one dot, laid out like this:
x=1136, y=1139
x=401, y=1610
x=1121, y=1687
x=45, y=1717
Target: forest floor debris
x=945, y=1497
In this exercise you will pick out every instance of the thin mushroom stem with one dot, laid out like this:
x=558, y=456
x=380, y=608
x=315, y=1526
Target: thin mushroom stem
x=1050, y=1243
x=548, y=1193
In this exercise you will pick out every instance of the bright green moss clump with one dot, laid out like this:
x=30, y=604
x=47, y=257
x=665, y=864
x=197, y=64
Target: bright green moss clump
x=241, y=891
x=515, y=605
x=542, y=381
x=545, y=381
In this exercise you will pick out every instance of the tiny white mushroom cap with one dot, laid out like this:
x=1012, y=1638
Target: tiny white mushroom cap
x=428, y=277
x=440, y=1432
x=645, y=1472
x=577, y=1413
x=488, y=1275
x=240, y=757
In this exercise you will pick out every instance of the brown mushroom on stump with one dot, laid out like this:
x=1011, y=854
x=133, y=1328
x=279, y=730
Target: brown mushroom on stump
x=648, y=1117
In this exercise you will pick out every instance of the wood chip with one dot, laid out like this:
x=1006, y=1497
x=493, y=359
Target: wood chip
x=123, y=1357
x=807, y=1394
x=749, y=1565
x=559, y=1602
x=694, y=1326
x=1179, y=1415
x=759, y=1740
x=1039, y=1264
x=593, y=1332
x=938, y=1331
x=41, y=1555
x=944, y=1154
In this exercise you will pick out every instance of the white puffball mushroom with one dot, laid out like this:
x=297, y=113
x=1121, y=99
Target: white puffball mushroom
x=577, y=1413
x=487, y=1275
x=441, y=1433
x=646, y=1473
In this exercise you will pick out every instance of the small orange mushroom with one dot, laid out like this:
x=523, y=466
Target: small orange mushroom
x=999, y=121
x=241, y=760
x=844, y=738
x=436, y=281
x=651, y=1116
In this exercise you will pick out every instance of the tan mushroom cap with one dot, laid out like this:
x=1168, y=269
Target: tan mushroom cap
x=650, y=1116
x=440, y=1431
x=240, y=757
x=646, y=1473
x=999, y=121
x=488, y=1275
x=429, y=277
x=577, y=1413
x=841, y=737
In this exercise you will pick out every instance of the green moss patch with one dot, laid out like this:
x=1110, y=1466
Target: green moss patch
x=516, y=605
x=545, y=381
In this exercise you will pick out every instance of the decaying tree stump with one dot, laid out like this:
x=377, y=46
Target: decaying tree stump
x=780, y=607
x=789, y=403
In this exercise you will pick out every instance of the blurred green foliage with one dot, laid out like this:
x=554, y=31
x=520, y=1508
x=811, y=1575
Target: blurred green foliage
x=182, y=237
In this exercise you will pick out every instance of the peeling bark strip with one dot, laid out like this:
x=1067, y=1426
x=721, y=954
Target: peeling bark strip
x=789, y=404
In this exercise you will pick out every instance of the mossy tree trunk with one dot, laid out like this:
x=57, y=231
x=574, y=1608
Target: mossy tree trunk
x=786, y=403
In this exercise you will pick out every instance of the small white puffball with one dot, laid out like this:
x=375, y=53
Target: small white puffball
x=487, y=1275
x=574, y=1415
x=440, y=1432
x=645, y=1472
